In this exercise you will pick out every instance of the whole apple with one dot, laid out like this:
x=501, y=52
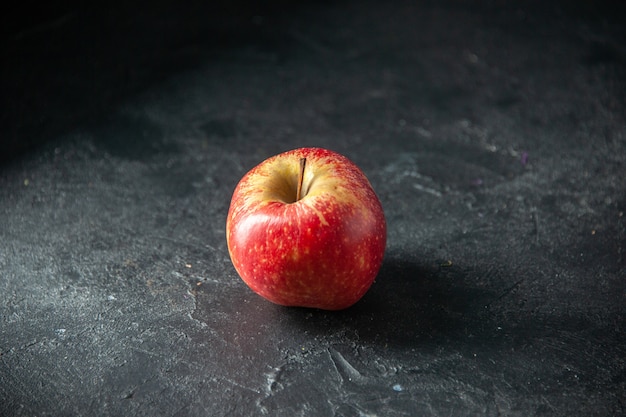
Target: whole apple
x=306, y=229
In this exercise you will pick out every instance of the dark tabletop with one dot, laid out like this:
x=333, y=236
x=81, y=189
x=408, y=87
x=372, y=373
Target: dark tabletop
x=493, y=132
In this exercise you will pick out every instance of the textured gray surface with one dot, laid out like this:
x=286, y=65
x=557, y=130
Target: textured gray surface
x=494, y=135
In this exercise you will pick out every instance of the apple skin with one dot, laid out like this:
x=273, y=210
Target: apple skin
x=322, y=251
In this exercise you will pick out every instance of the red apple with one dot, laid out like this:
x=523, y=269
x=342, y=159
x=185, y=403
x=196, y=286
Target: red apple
x=306, y=229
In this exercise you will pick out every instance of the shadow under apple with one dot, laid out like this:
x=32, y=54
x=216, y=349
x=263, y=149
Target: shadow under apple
x=409, y=302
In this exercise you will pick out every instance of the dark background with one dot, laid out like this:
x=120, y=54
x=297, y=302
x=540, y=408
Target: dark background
x=494, y=133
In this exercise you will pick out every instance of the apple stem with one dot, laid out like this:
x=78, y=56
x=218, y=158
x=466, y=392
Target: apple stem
x=300, y=178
